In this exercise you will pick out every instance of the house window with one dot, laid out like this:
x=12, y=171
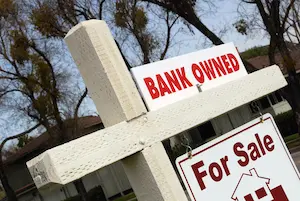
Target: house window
x=275, y=98
x=272, y=99
x=261, y=193
x=262, y=104
x=266, y=102
x=278, y=96
x=206, y=130
x=201, y=133
x=249, y=197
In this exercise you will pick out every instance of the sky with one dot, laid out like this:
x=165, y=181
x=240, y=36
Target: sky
x=224, y=15
x=228, y=10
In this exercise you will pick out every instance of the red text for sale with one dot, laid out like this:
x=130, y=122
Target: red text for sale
x=177, y=80
x=245, y=153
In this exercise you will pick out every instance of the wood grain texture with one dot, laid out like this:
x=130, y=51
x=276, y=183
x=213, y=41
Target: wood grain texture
x=155, y=160
x=104, y=72
x=82, y=156
x=117, y=100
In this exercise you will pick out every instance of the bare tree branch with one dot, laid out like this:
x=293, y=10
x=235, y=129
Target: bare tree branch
x=11, y=91
x=287, y=13
x=101, y=4
x=10, y=193
x=168, y=38
x=76, y=111
x=17, y=136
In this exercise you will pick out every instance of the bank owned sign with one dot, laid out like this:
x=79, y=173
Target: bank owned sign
x=171, y=80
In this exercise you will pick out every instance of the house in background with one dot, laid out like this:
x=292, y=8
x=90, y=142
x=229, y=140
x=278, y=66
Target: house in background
x=275, y=103
x=112, y=179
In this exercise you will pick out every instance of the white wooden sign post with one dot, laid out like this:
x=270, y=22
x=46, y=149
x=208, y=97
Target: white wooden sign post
x=132, y=134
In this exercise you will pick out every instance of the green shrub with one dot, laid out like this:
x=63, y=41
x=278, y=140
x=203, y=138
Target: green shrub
x=286, y=123
x=254, y=52
x=2, y=194
x=96, y=194
x=75, y=198
x=285, y=116
x=129, y=196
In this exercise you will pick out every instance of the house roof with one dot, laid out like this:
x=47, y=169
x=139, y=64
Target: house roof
x=252, y=173
x=40, y=142
x=263, y=61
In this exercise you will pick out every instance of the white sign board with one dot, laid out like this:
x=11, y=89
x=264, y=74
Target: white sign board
x=168, y=81
x=250, y=163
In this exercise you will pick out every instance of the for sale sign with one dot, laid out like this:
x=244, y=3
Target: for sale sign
x=250, y=163
x=168, y=81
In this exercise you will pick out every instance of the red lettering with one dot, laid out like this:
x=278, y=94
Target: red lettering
x=198, y=74
x=254, y=152
x=163, y=87
x=215, y=171
x=173, y=81
x=199, y=175
x=234, y=62
x=216, y=176
x=226, y=64
x=151, y=87
x=182, y=77
x=219, y=66
x=260, y=144
x=241, y=153
x=268, y=141
x=208, y=69
x=224, y=164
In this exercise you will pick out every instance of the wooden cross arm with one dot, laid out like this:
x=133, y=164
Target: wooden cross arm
x=73, y=160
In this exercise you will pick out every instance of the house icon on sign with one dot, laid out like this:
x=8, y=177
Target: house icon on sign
x=252, y=187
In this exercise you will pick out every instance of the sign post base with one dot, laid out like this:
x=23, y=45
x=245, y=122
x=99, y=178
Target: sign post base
x=152, y=175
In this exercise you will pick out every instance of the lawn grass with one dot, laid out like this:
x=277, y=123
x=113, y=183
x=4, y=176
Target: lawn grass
x=292, y=141
x=291, y=137
x=2, y=194
x=130, y=196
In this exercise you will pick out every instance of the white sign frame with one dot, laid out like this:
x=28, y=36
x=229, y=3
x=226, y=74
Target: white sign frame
x=184, y=164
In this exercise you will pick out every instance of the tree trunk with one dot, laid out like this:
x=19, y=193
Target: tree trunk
x=276, y=32
x=10, y=193
x=293, y=88
x=271, y=52
x=191, y=17
x=197, y=23
x=40, y=196
x=292, y=95
x=81, y=190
